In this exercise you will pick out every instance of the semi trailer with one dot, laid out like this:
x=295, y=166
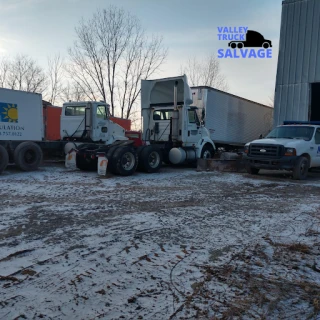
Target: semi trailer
x=231, y=120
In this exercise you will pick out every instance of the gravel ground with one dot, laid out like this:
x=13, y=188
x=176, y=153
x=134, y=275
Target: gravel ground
x=178, y=244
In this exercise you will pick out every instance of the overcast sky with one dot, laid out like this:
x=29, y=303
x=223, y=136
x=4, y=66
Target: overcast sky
x=41, y=28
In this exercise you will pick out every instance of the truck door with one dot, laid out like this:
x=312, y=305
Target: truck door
x=194, y=129
x=100, y=126
x=315, y=161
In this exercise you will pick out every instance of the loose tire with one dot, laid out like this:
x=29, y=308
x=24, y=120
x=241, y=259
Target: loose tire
x=151, y=159
x=207, y=152
x=28, y=156
x=252, y=170
x=4, y=159
x=300, y=171
x=125, y=161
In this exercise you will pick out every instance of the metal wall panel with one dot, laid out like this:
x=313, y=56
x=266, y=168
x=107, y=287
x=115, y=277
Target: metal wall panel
x=298, y=59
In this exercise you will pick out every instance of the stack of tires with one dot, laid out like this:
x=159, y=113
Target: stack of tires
x=27, y=156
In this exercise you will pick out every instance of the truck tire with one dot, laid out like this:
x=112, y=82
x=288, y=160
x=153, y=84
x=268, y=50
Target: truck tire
x=300, y=170
x=266, y=45
x=207, y=152
x=28, y=156
x=111, y=163
x=233, y=45
x=82, y=164
x=240, y=45
x=140, y=160
x=252, y=170
x=4, y=159
x=151, y=159
x=125, y=161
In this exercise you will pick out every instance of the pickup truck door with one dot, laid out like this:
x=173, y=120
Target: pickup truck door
x=315, y=160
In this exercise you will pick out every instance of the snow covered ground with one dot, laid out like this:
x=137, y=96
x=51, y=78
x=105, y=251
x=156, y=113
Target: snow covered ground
x=178, y=244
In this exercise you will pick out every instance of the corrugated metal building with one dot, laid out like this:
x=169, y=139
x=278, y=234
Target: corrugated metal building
x=297, y=95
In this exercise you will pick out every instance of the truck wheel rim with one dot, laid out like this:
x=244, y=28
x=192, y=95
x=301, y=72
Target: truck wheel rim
x=207, y=154
x=29, y=156
x=303, y=168
x=154, y=159
x=128, y=161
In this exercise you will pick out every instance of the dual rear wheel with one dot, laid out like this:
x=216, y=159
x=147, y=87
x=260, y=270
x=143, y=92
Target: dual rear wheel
x=126, y=160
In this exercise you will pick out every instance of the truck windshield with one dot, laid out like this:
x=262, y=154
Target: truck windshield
x=292, y=132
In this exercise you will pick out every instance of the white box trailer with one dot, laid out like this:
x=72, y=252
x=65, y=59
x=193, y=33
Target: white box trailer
x=21, y=115
x=22, y=136
x=231, y=120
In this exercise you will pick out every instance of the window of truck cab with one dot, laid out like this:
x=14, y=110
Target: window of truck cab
x=317, y=136
x=102, y=112
x=75, y=110
x=193, y=117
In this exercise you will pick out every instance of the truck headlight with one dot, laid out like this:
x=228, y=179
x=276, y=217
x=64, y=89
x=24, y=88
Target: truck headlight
x=246, y=149
x=290, y=152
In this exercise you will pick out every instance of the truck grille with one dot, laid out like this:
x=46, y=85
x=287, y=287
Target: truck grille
x=271, y=150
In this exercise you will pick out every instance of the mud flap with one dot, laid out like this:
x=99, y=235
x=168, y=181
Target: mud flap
x=70, y=162
x=102, y=164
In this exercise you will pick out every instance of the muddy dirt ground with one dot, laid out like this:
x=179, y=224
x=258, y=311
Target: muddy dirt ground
x=178, y=244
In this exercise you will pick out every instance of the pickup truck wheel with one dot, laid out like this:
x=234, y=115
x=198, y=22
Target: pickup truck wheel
x=252, y=170
x=28, y=156
x=151, y=159
x=300, y=171
x=125, y=161
x=4, y=159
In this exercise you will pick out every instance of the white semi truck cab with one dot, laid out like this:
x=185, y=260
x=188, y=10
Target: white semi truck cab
x=293, y=146
x=170, y=121
x=89, y=121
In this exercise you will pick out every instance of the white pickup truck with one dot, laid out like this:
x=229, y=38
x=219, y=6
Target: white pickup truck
x=293, y=146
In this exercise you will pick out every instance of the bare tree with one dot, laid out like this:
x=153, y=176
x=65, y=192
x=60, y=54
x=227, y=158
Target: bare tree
x=72, y=92
x=24, y=74
x=205, y=72
x=55, y=78
x=110, y=57
x=4, y=71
